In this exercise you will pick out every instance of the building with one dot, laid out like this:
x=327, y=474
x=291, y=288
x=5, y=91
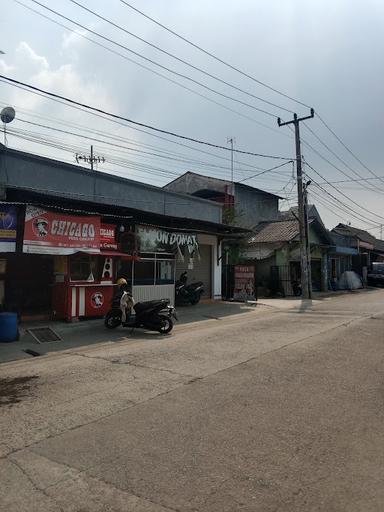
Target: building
x=67, y=233
x=245, y=206
x=275, y=249
x=365, y=247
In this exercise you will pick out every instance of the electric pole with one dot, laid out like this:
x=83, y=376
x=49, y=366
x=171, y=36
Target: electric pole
x=305, y=256
x=230, y=141
x=89, y=159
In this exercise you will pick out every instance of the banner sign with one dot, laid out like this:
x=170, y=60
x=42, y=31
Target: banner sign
x=8, y=225
x=244, y=283
x=48, y=232
x=107, y=237
x=157, y=240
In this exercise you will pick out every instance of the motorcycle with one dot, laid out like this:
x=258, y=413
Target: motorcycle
x=154, y=315
x=296, y=288
x=188, y=293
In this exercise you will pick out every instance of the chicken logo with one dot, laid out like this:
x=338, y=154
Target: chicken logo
x=97, y=300
x=40, y=227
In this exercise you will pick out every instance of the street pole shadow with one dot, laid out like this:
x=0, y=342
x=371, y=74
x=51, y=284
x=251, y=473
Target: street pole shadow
x=305, y=305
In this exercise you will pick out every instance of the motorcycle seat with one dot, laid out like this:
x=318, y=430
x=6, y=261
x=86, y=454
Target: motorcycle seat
x=141, y=306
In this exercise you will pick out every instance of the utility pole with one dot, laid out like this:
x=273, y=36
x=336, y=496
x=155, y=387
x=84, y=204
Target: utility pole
x=308, y=242
x=231, y=141
x=89, y=159
x=305, y=257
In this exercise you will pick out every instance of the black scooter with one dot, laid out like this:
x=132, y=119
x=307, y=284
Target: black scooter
x=188, y=293
x=154, y=315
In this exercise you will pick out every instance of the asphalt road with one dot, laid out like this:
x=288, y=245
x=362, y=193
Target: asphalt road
x=267, y=411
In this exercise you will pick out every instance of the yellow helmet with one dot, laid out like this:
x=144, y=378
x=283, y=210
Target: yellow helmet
x=121, y=281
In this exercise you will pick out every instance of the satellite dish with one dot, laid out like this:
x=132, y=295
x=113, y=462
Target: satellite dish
x=7, y=115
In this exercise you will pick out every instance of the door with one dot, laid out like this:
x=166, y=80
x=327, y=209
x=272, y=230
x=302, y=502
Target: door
x=201, y=271
x=28, y=288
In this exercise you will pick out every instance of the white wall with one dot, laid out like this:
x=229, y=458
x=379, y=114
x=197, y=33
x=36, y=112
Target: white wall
x=216, y=265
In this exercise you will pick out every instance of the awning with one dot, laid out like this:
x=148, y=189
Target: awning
x=123, y=255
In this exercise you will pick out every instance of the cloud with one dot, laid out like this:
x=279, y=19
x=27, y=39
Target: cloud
x=30, y=57
x=64, y=79
x=5, y=68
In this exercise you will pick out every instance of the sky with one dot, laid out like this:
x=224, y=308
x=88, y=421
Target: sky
x=325, y=53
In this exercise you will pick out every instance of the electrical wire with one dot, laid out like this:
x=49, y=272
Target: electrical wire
x=340, y=159
x=214, y=56
x=169, y=54
x=125, y=57
x=116, y=116
x=137, y=54
x=345, y=146
x=265, y=171
x=344, y=195
x=196, y=149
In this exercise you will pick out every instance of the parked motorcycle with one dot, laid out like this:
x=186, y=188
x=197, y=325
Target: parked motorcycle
x=296, y=288
x=154, y=315
x=188, y=293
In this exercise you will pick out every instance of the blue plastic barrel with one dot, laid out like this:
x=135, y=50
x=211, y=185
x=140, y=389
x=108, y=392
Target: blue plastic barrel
x=8, y=327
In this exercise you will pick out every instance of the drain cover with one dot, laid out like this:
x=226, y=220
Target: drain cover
x=44, y=334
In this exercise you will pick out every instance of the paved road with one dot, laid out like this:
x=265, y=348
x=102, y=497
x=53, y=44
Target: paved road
x=267, y=411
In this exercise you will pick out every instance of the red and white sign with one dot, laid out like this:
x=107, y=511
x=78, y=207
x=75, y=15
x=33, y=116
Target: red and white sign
x=107, y=237
x=244, y=283
x=48, y=232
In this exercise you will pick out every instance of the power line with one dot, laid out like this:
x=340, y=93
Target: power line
x=329, y=204
x=214, y=56
x=345, y=146
x=180, y=75
x=334, y=154
x=116, y=116
x=169, y=54
x=265, y=171
x=132, y=127
x=344, y=195
x=111, y=50
x=306, y=143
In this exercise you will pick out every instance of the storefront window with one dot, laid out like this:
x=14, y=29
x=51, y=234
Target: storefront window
x=165, y=271
x=124, y=269
x=84, y=267
x=144, y=272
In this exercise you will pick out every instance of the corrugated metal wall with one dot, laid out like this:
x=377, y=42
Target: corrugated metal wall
x=142, y=293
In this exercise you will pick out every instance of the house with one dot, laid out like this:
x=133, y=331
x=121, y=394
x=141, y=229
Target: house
x=275, y=248
x=366, y=248
x=243, y=205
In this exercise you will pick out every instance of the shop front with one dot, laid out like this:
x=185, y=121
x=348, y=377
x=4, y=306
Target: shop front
x=84, y=261
x=166, y=253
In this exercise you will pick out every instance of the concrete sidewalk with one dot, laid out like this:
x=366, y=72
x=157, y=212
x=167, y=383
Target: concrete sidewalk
x=91, y=332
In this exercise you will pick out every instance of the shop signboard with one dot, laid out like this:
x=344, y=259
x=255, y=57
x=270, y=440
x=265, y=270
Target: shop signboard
x=154, y=239
x=8, y=225
x=107, y=237
x=49, y=232
x=244, y=288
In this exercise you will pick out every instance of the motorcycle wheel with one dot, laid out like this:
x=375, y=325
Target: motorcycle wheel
x=112, y=319
x=166, y=325
x=195, y=300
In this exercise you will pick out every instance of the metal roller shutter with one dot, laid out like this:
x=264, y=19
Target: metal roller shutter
x=201, y=269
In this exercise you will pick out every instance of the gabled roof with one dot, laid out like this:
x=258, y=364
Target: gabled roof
x=211, y=179
x=293, y=213
x=361, y=234
x=276, y=231
x=286, y=231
